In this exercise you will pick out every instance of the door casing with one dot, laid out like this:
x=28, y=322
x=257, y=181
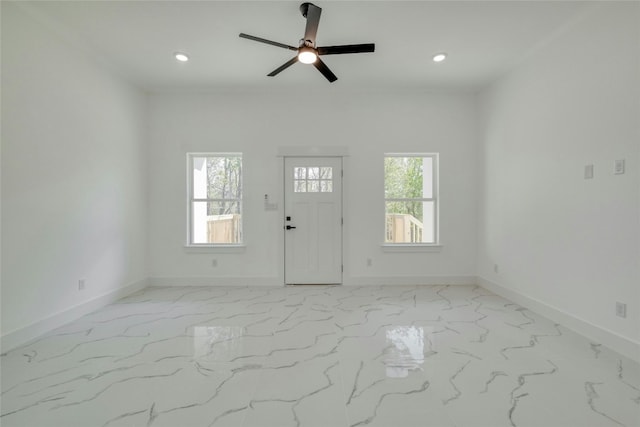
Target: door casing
x=313, y=252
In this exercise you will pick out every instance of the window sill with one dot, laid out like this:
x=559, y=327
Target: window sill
x=225, y=249
x=411, y=248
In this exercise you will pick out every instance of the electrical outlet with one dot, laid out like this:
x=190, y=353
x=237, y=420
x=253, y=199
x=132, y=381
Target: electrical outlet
x=214, y=262
x=621, y=309
x=618, y=167
x=81, y=284
x=369, y=262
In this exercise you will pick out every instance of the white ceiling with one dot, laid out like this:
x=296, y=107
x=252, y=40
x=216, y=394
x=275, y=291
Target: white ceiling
x=137, y=39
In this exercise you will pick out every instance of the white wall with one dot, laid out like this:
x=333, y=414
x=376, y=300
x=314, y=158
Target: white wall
x=559, y=240
x=257, y=123
x=73, y=180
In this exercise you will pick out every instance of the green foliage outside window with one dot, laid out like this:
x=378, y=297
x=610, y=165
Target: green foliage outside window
x=224, y=182
x=403, y=180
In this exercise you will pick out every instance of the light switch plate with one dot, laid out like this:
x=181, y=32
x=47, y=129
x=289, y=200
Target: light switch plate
x=588, y=172
x=618, y=167
x=621, y=309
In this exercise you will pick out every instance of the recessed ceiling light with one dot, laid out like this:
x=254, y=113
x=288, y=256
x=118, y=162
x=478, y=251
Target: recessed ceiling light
x=439, y=57
x=182, y=57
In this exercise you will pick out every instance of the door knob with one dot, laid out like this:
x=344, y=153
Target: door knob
x=289, y=227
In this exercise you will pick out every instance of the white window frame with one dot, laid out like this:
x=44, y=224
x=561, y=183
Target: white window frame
x=191, y=200
x=435, y=199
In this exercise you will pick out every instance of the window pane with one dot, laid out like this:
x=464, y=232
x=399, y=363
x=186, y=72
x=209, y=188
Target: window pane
x=300, y=186
x=199, y=171
x=427, y=185
x=299, y=173
x=429, y=222
x=313, y=186
x=326, y=173
x=403, y=177
x=314, y=173
x=404, y=222
x=410, y=222
x=216, y=222
x=224, y=177
x=326, y=186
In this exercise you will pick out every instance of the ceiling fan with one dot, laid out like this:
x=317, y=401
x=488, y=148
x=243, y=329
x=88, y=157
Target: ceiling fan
x=308, y=53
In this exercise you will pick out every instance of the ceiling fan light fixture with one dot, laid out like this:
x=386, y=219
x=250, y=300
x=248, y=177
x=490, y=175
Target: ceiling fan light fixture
x=182, y=57
x=439, y=57
x=307, y=56
x=306, y=52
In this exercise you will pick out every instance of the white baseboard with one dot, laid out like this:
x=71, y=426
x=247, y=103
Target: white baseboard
x=622, y=345
x=347, y=281
x=215, y=281
x=616, y=342
x=409, y=280
x=23, y=335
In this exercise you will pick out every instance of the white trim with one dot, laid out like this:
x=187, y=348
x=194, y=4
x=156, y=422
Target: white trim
x=408, y=280
x=36, y=329
x=215, y=153
x=279, y=281
x=435, y=154
x=215, y=281
x=220, y=249
x=410, y=247
x=618, y=343
x=622, y=345
x=305, y=151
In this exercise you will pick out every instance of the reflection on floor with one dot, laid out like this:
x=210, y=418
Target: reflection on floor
x=317, y=356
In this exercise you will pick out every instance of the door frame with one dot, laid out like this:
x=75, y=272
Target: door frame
x=310, y=151
x=286, y=191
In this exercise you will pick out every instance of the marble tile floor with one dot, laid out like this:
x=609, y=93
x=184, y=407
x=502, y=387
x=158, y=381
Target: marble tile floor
x=317, y=356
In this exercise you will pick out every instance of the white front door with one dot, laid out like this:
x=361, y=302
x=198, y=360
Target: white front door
x=313, y=220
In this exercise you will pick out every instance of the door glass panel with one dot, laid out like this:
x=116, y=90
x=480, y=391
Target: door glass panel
x=300, y=173
x=314, y=173
x=300, y=186
x=326, y=186
x=313, y=179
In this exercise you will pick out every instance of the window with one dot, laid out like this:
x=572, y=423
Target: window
x=410, y=196
x=313, y=179
x=215, y=198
